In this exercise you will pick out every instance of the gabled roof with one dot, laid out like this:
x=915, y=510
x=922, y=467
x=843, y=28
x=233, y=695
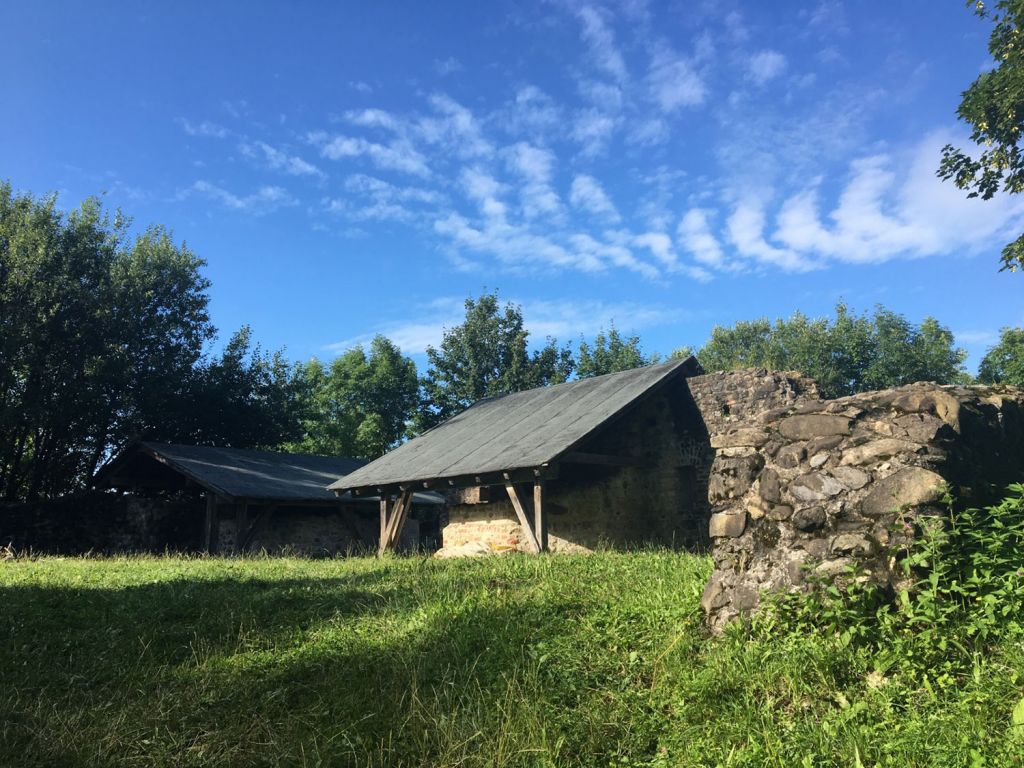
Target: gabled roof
x=237, y=473
x=516, y=431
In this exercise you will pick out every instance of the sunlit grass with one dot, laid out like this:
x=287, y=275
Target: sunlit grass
x=514, y=661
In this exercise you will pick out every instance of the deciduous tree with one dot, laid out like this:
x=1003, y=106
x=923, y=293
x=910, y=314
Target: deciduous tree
x=1004, y=363
x=993, y=106
x=487, y=354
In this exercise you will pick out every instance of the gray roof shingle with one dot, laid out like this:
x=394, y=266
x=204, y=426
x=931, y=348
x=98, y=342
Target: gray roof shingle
x=243, y=473
x=515, y=431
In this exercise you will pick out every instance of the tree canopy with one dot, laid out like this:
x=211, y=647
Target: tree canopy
x=485, y=355
x=360, y=404
x=610, y=353
x=1004, y=363
x=847, y=354
x=103, y=341
x=993, y=106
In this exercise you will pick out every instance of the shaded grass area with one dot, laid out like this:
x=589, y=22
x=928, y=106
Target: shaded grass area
x=596, y=660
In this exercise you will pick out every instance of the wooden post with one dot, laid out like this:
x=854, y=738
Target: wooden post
x=517, y=504
x=241, y=526
x=210, y=526
x=540, y=521
x=383, y=518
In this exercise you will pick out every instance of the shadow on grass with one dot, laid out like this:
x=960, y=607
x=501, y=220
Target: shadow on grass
x=367, y=669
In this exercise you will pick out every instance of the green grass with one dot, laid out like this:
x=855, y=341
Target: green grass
x=588, y=661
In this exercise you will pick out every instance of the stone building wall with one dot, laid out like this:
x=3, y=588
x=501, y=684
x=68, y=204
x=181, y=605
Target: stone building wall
x=811, y=487
x=323, y=532
x=663, y=502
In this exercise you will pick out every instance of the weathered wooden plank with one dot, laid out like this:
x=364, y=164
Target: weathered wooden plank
x=517, y=504
x=210, y=524
x=383, y=518
x=540, y=521
x=399, y=514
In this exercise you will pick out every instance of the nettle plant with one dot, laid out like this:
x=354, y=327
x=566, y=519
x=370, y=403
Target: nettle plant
x=964, y=589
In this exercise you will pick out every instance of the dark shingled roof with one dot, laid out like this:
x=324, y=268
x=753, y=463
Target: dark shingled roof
x=243, y=473
x=516, y=431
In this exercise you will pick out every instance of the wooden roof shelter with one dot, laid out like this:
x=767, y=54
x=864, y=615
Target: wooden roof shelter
x=514, y=438
x=238, y=476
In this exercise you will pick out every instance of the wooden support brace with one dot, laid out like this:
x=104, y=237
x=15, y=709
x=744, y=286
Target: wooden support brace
x=383, y=518
x=399, y=514
x=259, y=522
x=517, y=504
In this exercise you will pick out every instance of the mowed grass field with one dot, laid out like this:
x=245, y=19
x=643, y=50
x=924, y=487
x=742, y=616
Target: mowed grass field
x=596, y=660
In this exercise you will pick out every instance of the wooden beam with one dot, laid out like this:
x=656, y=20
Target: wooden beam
x=517, y=504
x=241, y=524
x=383, y=518
x=210, y=524
x=580, y=457
x=540, y=521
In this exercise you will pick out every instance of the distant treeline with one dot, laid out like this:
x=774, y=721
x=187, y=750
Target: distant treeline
x=105, y=338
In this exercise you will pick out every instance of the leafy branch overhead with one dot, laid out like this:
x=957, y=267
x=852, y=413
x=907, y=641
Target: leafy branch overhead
x=994, y=108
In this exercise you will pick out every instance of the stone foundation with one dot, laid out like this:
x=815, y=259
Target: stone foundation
x=814, y=487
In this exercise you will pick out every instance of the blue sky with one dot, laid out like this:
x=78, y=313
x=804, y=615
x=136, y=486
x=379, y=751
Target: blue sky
x=347, y=169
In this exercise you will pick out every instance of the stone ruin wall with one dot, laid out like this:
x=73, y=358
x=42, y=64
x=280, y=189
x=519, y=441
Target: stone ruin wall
x=811, y=486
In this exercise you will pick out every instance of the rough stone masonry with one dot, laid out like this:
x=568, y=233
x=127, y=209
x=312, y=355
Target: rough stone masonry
x=802, y=486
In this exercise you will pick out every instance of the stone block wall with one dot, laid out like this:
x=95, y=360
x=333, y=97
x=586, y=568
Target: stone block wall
x=810, y=486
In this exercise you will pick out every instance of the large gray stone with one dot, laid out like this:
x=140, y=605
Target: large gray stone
x=912, y=486
x=878, y=450
x=727, y=525
x=753, y=437
x=851, y=477
x=807, y=426
x=815, y=486
x=732, y=476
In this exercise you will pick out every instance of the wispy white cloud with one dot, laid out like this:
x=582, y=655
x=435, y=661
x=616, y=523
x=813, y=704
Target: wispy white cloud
x=279, y=160
x=445, y=67
x=588, y=195
x=203, y=128
x=593, y=129
x=534, y=165
x=264, y=200
x=600, y=39
x=695, y=236
x=673, y=81
x=765, y=65
x=397, y=155
x=371, y=198
x=455, y=127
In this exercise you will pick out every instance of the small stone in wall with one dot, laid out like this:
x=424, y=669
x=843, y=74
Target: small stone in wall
x=769, y=487
x=727, y=524
x=745, y=437
x=790, y=456
x=818, y=460
x=819, y=444
x=780, y=512
x=809, y=518
x=852, y=544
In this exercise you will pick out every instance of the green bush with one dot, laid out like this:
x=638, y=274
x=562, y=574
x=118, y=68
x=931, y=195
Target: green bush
x=966, y=592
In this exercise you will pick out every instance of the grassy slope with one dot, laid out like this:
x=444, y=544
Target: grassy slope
x=590, y=661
